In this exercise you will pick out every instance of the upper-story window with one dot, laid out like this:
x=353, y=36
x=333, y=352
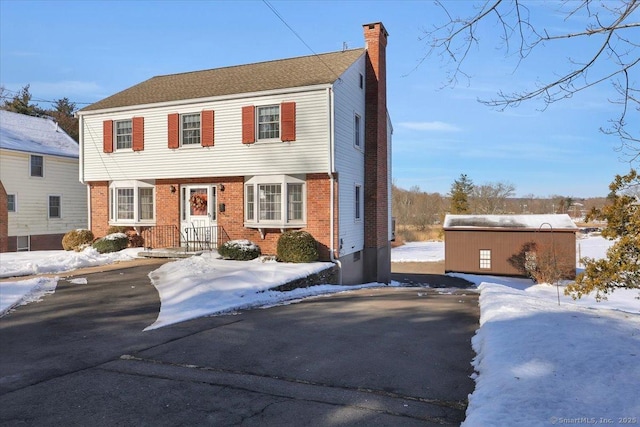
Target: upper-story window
x=124, y=134
x=269, y=122
x=190, y=129
x=357, y=141
x=37, y=166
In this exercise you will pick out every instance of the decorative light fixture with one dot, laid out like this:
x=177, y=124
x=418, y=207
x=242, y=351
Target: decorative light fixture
x=172, y=188
x=221, y=186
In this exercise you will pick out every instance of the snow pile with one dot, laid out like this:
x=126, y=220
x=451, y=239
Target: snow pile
x=540, y=363
x=13, y=294
x=40, y=262
x=205, y=285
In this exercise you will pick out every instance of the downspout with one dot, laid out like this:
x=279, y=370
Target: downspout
x=332, y=182
x=81, y=166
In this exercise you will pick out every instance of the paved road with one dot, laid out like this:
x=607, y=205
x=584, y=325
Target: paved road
x=392, y=356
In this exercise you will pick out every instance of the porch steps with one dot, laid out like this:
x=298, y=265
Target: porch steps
x=168, y=253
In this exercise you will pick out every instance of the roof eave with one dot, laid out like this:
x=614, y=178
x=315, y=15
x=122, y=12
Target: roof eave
x=318, y=87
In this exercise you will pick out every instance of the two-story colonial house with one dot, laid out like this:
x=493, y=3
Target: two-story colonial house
x=40, y=196
x=254, y=150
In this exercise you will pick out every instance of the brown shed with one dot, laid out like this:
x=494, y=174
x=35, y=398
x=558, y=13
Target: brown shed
x=485, y=244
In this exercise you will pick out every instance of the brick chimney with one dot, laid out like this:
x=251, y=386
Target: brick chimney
x=377, y=250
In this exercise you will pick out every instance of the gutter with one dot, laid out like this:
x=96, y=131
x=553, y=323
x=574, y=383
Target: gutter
x=332, y=182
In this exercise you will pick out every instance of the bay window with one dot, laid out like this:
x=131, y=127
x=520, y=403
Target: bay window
x=275, y=201
x=131, y=203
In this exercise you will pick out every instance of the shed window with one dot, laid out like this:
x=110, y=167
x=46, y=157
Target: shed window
x=485, y=259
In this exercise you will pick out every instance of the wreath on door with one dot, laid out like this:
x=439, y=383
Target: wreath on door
x=198, y=201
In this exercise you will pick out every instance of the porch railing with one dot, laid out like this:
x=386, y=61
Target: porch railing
x=190, y=238
x=161, y=236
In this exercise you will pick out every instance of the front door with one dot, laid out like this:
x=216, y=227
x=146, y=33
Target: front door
x=199, y=216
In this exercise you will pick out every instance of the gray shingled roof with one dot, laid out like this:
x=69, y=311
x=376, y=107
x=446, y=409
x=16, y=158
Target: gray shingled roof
x=279, y=74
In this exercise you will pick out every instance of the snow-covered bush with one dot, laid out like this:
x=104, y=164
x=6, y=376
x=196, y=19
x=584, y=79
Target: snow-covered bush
x=111, y=243
x=77, y=240
x=239, y=250
x=297, y=246
x=135, y=240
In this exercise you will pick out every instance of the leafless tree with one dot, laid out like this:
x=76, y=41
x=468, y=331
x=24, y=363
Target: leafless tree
x=491, y=198
x=609, y=31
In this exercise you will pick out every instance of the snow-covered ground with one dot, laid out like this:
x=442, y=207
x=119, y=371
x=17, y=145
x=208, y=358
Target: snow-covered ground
x=538, y=363
x=418, y=252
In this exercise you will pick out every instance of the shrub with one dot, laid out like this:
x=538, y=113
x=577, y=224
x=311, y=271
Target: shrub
x=76, y=240
x=111, y=243
x=118, y=229
x=239, y=250
x=543, y=263
x=297, y=246
x=135, y=240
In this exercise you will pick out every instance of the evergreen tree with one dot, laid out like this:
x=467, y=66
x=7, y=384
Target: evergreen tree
x=621, y=268
x=21, y=103
x=62, y=112
x=461, y=190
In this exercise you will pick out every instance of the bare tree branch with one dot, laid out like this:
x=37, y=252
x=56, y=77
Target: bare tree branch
x=612, y=59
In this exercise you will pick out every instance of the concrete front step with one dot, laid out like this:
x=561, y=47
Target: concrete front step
x=168, y=253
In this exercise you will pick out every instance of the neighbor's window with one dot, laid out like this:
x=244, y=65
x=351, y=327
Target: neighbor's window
x=278, y=200
x=269, y=122
x=485, y=259
x=190, y=129
x=131, y=202
x=11, y=203
x=358, y=203
x=23, y=243
x=124, y=132
x=37, y=166
x=54, y=207
x=356, y=129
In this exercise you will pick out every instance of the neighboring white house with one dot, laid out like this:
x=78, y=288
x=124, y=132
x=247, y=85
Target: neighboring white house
x=41, y=196
x=248, y=151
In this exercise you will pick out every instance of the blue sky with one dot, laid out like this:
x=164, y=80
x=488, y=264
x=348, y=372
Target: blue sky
x=87, y=50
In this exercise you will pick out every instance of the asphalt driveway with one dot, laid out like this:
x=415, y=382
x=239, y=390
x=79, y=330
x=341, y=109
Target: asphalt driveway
x=388, y=356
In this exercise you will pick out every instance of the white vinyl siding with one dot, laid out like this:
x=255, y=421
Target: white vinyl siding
x=309, y=153
x=32, y=194
x=349, y=102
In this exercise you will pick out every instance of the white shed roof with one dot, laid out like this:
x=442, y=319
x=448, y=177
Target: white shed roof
x=533, y=222
x=19, y=132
